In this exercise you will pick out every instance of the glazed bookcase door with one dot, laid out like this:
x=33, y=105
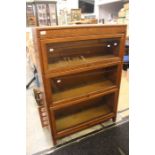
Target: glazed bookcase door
x=46, y=13
x=82, y=85
x=42, y=14
x=86, y=111
x=81, y=71
x=30, y=14
x=59, y=56
x=52, y=14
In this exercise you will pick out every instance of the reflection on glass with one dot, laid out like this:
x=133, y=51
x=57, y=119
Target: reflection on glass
x=81, y=113
x=82, y=84
x=81, y=52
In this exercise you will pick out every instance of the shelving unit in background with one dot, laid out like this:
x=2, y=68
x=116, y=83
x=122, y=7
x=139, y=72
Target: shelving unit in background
x=41, y=13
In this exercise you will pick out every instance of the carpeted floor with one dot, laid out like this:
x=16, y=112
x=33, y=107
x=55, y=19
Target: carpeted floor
x=113, y=141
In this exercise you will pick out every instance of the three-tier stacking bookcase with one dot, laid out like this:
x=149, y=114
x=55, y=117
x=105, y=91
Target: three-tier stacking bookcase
x=80, y=71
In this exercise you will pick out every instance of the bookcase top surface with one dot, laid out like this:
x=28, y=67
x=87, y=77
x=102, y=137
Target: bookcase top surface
x=79, y=26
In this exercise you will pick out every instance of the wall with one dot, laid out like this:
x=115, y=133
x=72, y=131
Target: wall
x=69, y=4
x=111, y=8
x=38, y=0
x=100, y=2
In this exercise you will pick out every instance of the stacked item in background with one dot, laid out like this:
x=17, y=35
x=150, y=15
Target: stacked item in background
x=123, y=15
x=74, y=16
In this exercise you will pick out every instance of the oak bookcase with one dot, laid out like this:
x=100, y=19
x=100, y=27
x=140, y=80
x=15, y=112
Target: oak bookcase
x=79, y=71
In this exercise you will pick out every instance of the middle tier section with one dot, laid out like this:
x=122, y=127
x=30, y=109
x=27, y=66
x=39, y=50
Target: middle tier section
x=83, y=85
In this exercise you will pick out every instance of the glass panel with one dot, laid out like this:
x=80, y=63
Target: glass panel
x=42, y=14
x=30, y=14
x=86, y=111
x=70, y=54
x=52, y=13
x=76, y=85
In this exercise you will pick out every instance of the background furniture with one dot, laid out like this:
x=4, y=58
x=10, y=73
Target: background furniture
x=80, y=71
x=75, y=14
x=30, y=14
x=44, y=13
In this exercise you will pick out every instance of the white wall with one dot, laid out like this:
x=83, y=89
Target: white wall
x=68, y=4
x=38, y=0
x=101, y=2
x=111, y=8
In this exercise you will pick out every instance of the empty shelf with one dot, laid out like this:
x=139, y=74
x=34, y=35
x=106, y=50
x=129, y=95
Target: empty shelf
x=82, y=116
x=82, y=60
x=83, y=90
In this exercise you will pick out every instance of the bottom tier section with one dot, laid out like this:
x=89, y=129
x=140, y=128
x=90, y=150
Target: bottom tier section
x=84, y=112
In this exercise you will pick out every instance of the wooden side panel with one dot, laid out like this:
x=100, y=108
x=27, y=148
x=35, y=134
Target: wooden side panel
x=119, y=73
x=43, y=82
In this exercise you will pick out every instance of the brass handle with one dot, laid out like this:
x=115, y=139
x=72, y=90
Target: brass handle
x=51, y=50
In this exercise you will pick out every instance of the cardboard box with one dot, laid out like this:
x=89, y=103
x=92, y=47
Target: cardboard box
x=126, y=6
x=127, y=14
x=120, y=20
x=121, y=13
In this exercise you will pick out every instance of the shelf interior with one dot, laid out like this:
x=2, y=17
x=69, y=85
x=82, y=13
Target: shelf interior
x=83, y=90
x=86, y=111
x=70, y=54
x=82, y=84
x=81, y=60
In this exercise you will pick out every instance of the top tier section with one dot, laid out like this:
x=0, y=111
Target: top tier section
x=50, y=32
x=65, y=50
